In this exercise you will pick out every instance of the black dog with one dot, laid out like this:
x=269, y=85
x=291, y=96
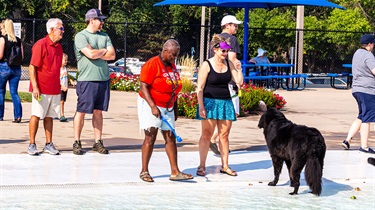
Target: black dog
x=297, y=145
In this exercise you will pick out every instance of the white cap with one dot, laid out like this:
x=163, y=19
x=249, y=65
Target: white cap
x=261, y=52
x=230, y=19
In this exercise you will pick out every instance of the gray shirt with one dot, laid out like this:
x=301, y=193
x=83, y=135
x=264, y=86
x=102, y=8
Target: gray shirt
x=363, y=79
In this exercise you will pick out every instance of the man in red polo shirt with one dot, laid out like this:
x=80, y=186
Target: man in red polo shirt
x=44, y=71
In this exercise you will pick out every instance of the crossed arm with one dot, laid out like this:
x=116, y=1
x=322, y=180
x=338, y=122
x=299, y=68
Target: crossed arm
x=104, y=53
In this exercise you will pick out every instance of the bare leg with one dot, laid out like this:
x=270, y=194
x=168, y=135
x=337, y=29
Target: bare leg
x=365, y=130
x=97, y=124
x=148, y=147
x=208, y=127
x=78, y=123
x=48, y=127
x=224, y=127
x=214, y=136
x=171, y=149
x=354, y=128
x=33, y=128
x=62, y=108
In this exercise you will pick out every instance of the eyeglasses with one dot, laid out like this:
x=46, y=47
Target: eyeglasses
x=61, y=28
x=100, y=19
x=235, y=25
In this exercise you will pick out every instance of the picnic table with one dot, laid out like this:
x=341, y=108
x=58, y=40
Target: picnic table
x=348, y=75
x=283, y=76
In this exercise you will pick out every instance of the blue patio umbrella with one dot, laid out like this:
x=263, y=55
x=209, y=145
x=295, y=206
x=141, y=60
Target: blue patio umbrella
x=249, y=4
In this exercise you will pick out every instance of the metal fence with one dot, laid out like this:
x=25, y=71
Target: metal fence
x=144, y=40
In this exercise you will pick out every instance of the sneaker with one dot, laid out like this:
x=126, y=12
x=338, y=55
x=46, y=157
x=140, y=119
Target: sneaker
x=369, y=150
x=77, y=148
x=32, y=150
x=50, y=148
x=214, y=148
x=99, y=147
x=63, y=119
x=345, y=144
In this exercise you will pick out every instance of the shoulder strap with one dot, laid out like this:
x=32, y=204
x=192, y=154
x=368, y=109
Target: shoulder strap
x=209, y=63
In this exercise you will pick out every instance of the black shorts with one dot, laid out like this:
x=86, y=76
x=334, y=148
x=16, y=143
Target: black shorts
x=63, y=95
x=92, y=95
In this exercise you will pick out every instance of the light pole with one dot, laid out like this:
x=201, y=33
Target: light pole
x=100, y=5
x=201, y=51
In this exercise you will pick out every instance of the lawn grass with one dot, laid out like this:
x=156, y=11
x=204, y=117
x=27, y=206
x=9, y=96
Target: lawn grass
x=25, y=96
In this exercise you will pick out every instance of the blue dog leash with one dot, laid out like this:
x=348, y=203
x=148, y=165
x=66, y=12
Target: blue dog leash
x=178, y=138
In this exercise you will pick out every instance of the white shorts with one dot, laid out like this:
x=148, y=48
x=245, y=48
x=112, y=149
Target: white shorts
x=49, y=106
x=147, y=119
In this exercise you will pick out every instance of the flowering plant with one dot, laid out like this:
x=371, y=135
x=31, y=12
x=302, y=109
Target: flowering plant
x=251, y=95
x=124, y=82
x=187, y=104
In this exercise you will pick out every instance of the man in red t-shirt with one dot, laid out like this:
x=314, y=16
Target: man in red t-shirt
x=44, y=71
x=160, y=85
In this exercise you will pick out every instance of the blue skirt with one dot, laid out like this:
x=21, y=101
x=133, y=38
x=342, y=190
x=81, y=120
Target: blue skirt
x=218, y=109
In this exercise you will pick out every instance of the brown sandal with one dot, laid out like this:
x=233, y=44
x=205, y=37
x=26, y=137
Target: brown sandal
x=180, y=177
x=228, y=171
x=145, y=176
x=201, y=171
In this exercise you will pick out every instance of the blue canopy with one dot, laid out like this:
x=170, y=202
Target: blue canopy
x=267, y=4
x=248, y=4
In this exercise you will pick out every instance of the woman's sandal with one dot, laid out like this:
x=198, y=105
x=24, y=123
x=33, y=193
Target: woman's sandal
x=145, y=176
x=201, y=171
x=180, y=177
x=228, y=171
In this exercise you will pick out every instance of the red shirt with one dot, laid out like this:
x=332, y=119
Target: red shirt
x=161, y=80
x=47, y=59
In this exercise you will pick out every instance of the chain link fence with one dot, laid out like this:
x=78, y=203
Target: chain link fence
x=144, y=40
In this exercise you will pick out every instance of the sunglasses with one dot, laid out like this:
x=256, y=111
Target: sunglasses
x=100, y=19
x=61, y=28
x=224, y=51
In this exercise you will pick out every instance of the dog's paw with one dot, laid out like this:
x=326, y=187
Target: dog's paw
x=293, y=193
x=272, y=184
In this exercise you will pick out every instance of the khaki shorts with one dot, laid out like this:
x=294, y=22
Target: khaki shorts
x=49, y=106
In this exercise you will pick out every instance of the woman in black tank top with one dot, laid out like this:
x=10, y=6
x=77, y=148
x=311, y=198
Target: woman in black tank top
x=215, y=107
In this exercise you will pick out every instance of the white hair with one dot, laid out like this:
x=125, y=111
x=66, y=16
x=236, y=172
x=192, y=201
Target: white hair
x=51, y=23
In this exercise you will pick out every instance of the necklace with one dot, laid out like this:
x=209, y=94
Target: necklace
x=174, y=85
x=220, y=66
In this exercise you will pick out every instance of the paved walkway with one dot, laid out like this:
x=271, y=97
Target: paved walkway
x=76, y=181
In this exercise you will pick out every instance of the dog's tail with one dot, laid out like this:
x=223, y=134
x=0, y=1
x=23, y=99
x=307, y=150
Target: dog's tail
x=314, y=173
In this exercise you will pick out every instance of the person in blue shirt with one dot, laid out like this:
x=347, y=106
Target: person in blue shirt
x=261, y=57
